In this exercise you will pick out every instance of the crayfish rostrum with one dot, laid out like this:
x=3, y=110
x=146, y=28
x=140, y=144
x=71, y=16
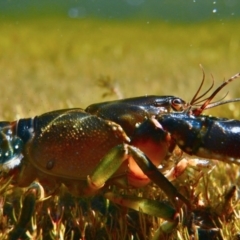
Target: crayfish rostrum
x=120, y=143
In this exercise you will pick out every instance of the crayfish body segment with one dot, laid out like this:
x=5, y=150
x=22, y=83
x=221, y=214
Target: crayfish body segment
x=64, y=143
x=133, y=111
x=11, y=146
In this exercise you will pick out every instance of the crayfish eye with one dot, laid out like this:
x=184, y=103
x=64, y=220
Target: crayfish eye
x=178, y=104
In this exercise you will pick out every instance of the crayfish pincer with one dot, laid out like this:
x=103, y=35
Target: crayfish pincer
x=204, y=136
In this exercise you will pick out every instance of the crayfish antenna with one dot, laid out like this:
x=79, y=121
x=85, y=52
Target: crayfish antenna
x=212, y=105
x=195, y=98
x=207, y=105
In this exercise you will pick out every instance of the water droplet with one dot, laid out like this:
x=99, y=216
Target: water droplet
x=214, y=10
x=214, y=2
x=77, y=12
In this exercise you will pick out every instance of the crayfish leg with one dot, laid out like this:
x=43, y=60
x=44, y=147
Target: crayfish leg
x=148, y=206
x=115, y=158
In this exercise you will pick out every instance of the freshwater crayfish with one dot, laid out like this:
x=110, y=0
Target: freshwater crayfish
x=113, y=143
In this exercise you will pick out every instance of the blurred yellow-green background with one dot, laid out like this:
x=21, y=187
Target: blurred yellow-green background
x=53, y=52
